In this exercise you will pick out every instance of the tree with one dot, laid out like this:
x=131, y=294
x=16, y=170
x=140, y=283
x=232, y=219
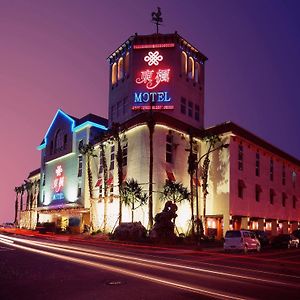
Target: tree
x=192, y=165
x=211, y=140
x=151, y=125
x=132, y=194
x=28, y=186
x=87, y=150
x=18, y=191
x=175, y=192
x=22, y=190
x=116, y=132
x=105, y=178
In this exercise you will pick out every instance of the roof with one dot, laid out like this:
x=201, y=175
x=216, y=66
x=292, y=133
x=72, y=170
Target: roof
x=223, y=128
x=157, y=39
x=239, y=131
x=77, y=124
x=34, y=173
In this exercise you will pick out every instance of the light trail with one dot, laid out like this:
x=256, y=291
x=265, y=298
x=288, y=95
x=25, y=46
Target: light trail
x=190, y=288
x=150, y=263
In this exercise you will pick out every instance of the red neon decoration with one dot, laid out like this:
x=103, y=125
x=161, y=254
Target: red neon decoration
x=58, y=183
x=147, y=77
x=146, y=46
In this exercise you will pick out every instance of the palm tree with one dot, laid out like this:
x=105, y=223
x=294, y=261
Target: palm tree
x=211, y=140
x=28, y=186
x=132, y=194
x=87, y=150
x=116, y=131
x=17, y=190
x=151, y=125
x=105, y=178
x=22, y=190
x=192, y=158
x=175, y=192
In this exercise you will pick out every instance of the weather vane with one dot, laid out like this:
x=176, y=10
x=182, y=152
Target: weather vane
x=156, y=18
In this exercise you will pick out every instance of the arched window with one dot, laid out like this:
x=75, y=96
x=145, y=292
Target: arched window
x=114, y=73
x=127, y=57
x=183, y=63
x=59, y=141
x=191, y=68
x=197, y=72
x=120, y=68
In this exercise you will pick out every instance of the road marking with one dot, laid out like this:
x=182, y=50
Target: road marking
x=130, y=260
x=186, y=287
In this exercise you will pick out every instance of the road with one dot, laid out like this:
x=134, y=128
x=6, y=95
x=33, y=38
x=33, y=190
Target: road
x=32, y=268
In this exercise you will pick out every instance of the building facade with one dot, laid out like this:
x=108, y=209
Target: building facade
x=155, y=133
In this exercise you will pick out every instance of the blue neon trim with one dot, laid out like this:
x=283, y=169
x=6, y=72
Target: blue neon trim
x=59, y=111
x=89, y=123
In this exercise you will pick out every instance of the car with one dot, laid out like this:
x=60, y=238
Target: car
x=285, y=241
x=296, y=233
x=262, y=237
x=243, y=240
x=7, y=225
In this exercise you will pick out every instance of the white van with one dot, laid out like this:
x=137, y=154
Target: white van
x=241, y=240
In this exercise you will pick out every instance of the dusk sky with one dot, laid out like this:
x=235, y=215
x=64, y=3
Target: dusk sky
x=53, y=55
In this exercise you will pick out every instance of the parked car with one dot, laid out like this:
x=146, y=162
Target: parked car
x=285, y=241
x=296, y=233
x=262, y=237
x=241, y=240
x=7, y=225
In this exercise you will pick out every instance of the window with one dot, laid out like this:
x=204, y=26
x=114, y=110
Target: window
x=51, y=148
x=190, y=109
x=125, y=105
x=169, y=148
x=283, y=199
x=65, y=141
x=127, y=57
x=114, y=74
x=257, y=164
x=197, y=72
x=112, y=157
x=112, y=112
x=120, y=68
x=271, y=169
x=79, y=166
x=183, y=63
x=258, y=190
x=197, y=112
x=283, y=174
x=183, y=105
x=111, y=194
x=125, y=153
x=191, y=68
x=58, y=141
x=79, y=190
x=241, y=158
x=294, y=178
x=241, y=186
x=100, y=163
x=272, y=195
x=294, y=202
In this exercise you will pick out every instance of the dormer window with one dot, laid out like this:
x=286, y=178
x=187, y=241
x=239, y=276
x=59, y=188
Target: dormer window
x=59, y=141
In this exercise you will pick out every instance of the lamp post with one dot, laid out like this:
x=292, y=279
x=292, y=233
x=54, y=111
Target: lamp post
x=204, y=185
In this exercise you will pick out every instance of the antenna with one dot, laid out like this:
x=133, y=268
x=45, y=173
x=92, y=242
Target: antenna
x=157, y=19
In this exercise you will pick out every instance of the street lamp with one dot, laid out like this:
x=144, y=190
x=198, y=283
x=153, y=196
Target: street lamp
x=204, y=185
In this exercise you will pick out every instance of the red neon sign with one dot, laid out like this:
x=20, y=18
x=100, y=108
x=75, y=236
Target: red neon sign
x=150, y=80
x=58, y=183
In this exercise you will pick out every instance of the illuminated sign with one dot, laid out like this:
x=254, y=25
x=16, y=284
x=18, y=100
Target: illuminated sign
x=155, y=75
x=145, y=46
x=58, y=184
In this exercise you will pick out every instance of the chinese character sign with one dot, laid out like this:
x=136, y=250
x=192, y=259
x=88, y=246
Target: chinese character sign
x=152, y=82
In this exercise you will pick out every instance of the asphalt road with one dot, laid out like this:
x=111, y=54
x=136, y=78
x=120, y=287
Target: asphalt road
x=32, y=268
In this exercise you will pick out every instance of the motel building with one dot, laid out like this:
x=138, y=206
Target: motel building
x=156, y=98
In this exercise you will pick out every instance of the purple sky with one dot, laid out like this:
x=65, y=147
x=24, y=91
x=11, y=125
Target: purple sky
x=53, y=55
